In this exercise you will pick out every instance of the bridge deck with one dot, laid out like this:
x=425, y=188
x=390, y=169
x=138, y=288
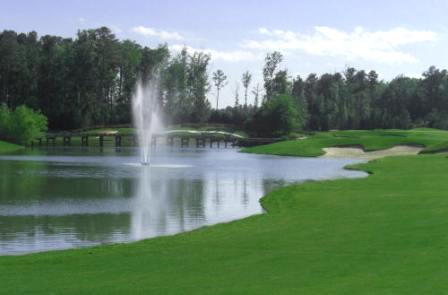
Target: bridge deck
x=118, y=140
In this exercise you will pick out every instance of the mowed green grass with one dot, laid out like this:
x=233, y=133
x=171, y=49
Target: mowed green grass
x=180, y=128
x=6, y=147
x=433, y=140
x=384, y=234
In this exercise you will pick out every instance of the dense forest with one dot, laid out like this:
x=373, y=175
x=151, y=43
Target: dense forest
x=89, y=80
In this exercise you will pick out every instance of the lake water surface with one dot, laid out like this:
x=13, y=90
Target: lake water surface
x=66, y=198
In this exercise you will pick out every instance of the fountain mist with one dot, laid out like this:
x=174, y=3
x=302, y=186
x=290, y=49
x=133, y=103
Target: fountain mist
x=146, y=114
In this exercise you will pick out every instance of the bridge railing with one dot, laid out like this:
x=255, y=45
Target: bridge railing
x=200, y=139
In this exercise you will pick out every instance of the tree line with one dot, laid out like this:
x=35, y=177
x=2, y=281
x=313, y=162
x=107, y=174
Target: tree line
x=89, y=80
x=353, y=99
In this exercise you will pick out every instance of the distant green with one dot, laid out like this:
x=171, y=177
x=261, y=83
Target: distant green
x=434, y=140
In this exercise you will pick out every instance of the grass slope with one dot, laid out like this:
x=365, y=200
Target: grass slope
x=385, y=234
x=6, y=147
x=433, y=139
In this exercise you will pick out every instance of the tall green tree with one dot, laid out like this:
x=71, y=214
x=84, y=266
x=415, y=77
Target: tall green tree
x=198, y=86
x=277, y=117
x=272, y=62
x=256, y=91
x=246, y=79
x=220, y=81
x=130, y=58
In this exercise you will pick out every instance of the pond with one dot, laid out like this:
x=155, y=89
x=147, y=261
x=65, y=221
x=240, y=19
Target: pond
x=67, y=198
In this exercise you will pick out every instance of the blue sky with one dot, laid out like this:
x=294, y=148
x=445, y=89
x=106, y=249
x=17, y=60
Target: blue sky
x=392, y=37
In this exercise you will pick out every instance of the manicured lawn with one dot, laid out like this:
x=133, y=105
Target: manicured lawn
x=433, y=139
x=122, y=130
x=192, y=127
x=384, y=234
x=6, y=147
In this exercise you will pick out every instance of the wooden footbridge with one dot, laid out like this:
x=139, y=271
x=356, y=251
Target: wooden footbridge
x=117, y=140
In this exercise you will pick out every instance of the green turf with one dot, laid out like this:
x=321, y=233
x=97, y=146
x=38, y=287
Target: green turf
x=384, y=234
x=6, y=147
x=121, y=130
x=433, y=139
x=188, y=127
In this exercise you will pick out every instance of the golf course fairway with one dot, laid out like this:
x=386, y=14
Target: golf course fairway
x=383, y=234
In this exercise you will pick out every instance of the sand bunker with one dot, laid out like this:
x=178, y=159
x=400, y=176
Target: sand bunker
x=353, y=152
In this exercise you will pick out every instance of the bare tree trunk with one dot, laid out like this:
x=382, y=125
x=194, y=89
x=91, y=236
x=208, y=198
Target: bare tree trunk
x=217, y=99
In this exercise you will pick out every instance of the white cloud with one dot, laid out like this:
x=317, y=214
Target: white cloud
x=152, y=32
x=82, y=20
x=379, y=46
x=228, y=56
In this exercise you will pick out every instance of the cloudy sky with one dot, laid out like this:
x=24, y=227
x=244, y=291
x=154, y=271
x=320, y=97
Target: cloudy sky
x=391, y=37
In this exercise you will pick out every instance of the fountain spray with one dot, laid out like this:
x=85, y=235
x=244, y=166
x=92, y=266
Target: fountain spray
x=146, y=114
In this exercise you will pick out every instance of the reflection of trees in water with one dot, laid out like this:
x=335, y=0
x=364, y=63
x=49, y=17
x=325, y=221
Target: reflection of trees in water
x=231, y=194
x=159, y=205
x=240, y=182
x=189, y=197
x=217, y=196
x=24, y=184
x=158, y=201
x=19, y=180
x=240, y=187
x=100, y=227
x=28, y=180
x=245, y=195
x=85, y=227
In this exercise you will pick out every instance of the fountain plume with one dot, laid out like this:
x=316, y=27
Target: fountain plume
x=146, y=114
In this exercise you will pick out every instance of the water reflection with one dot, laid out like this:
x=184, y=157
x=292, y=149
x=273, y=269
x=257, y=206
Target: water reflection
x=64, y=199
x=167, y=204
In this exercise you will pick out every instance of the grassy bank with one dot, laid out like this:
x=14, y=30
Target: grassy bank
x=6, y=147
x=385, y=234
x=434, y=140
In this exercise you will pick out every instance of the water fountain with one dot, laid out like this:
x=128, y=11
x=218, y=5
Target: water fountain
x=146, y=114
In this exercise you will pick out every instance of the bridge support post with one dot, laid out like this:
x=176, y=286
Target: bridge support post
x=117, y=140
x=52, y=139
x=170, y=140
x=84, y=140
x=67, y=140
x=184, y=141
x=200, y=142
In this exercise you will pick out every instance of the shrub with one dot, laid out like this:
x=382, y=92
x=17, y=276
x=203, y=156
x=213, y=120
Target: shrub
x=21, y=125
x=277, y=117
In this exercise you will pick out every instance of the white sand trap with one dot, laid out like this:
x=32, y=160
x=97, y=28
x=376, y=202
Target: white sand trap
x=353, y=152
